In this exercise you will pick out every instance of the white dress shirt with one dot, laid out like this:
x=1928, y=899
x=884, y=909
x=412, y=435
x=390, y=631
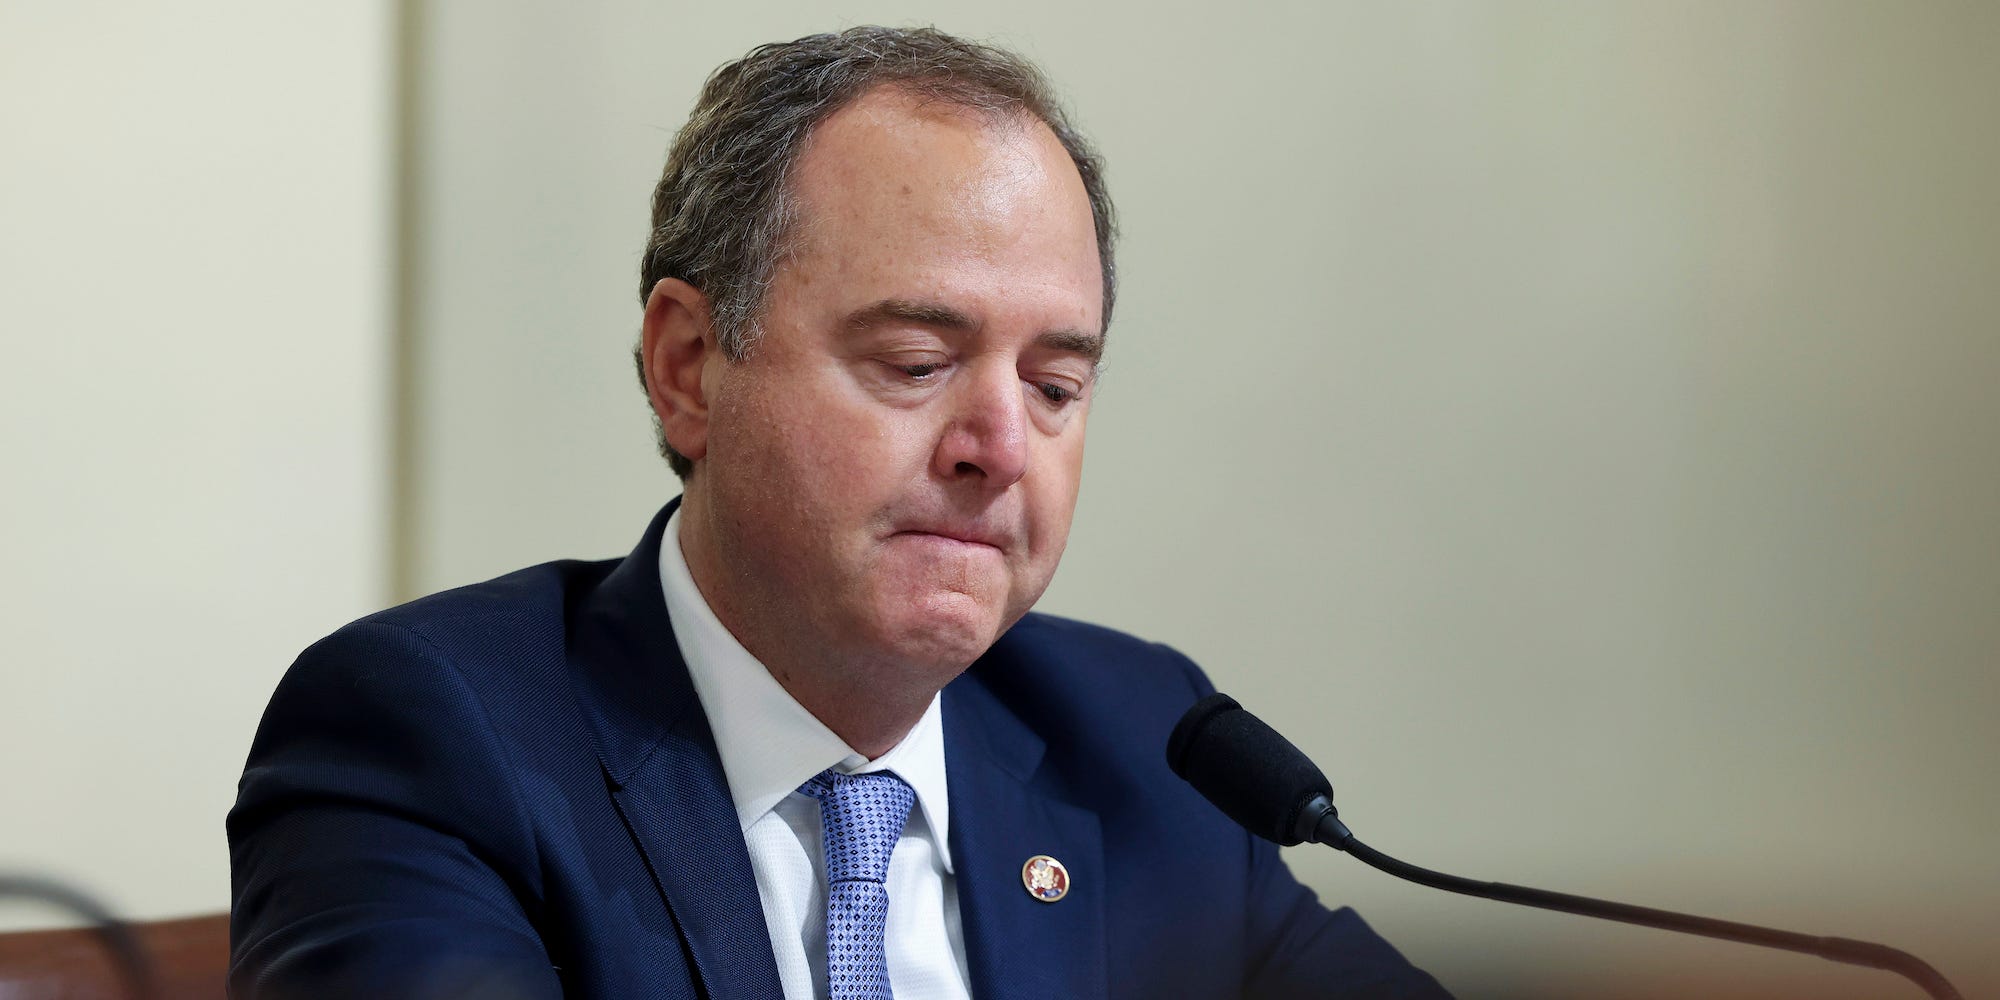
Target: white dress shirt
x=770, y=745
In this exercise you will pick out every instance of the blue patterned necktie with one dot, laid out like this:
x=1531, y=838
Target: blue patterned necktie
x=861, y=816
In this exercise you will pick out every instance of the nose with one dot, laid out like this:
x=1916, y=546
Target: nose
x=985, y=436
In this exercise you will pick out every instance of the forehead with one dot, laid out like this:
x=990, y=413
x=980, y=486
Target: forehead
x=889, y=137
x=901, y=182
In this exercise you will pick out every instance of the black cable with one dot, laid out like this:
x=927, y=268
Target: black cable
x=118, y=938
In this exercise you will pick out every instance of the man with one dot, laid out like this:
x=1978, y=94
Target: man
x=750, y=760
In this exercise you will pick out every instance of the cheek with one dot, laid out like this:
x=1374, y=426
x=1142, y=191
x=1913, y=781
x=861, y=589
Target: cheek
x=763, y=465
x=762, y=421
x=1055, y=492
x=808, y=447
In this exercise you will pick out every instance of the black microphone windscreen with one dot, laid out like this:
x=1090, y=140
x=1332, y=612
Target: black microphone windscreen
x=1255, y=776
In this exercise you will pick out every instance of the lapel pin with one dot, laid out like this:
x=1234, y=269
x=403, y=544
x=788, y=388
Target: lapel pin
x=1045, y=878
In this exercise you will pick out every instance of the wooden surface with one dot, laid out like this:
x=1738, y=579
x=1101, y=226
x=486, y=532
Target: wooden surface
x=190, y=961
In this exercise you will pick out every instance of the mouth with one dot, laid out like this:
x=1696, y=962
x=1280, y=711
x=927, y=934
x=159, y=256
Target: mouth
x=956, y=536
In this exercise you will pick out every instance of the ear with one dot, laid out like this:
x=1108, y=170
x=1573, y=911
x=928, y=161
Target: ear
x=676, y=347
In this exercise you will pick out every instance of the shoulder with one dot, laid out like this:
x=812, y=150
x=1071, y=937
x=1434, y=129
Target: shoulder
x=449, y=693
x=526, y=601
x=471, y=665
x=475, y=631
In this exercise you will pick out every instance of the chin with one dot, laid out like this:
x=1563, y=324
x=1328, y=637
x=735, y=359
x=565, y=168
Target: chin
x=942, y=633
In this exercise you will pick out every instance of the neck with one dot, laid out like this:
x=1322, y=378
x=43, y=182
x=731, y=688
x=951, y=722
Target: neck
x=863, y=717
x=871, y=704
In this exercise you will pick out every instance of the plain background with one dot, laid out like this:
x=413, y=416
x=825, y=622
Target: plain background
x=196, y=258
x=1573, y=423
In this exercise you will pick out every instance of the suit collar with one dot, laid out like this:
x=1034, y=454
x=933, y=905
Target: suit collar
x=1017, y=945
x=769, y=743
x=666, y=777
x=660, y=761
x=626, y=665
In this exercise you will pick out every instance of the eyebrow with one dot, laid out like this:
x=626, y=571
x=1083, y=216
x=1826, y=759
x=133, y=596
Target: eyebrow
x=1087, y=345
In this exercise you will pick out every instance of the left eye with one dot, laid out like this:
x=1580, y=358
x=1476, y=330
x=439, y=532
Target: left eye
x=919, y=371
x=1054, y=393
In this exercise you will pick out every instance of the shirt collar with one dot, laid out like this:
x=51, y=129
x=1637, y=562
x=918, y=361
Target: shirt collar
x=768, y=742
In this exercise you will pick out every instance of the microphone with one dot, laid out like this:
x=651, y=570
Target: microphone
x=1260, y=780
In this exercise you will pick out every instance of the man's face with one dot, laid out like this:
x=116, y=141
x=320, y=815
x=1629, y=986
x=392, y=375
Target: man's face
x=891, y=473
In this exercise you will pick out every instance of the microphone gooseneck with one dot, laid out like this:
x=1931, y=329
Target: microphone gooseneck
x=1260, y=780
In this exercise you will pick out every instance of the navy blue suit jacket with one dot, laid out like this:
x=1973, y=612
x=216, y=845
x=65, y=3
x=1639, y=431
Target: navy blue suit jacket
x=510, y=790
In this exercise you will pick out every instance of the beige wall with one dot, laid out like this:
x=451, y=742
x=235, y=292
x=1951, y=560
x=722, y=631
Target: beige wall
x=1571, y=422
x=193, y=303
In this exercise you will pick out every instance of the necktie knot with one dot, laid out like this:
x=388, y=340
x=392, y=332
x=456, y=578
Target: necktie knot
x=863, y=816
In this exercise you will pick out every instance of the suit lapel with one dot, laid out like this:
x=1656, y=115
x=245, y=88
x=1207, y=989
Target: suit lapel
x=1017, y=945
x=666, y=776
x=679, y=812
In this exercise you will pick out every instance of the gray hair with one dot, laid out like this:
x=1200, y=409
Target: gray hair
x=722, y=211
